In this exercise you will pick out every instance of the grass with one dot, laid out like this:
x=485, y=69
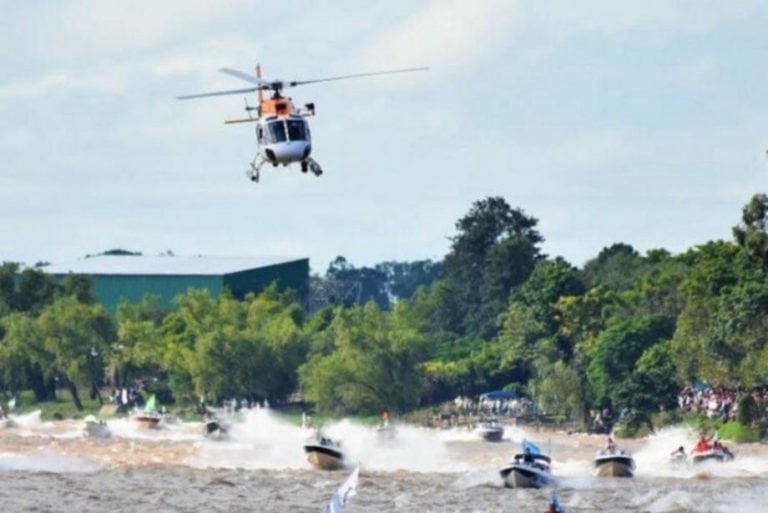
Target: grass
x=62, y=408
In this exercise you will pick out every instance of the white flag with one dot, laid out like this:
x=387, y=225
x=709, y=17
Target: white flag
x=344, y=493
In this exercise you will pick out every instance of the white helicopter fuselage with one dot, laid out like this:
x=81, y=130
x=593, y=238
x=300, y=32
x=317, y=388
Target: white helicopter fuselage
x=284, y=140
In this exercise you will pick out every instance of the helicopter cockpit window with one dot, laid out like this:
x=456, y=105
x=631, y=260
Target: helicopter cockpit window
x=296, y=130
x=277, y=131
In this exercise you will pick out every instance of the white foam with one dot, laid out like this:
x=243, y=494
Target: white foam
x=46, y=460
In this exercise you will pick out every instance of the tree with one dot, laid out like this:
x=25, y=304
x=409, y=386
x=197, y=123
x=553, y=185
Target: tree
x=495, y=249
x=404, y=278
x=558, y=391
x=752, y=233
x=374, y=363
x=23, y=358
x=618, y=348
x=549, y=281
x=716, y=269
x=137, y=351
x=651, y=387
x=77, y=338
x=614, y=267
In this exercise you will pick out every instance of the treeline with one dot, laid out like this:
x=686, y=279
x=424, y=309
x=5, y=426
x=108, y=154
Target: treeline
x=625, y=331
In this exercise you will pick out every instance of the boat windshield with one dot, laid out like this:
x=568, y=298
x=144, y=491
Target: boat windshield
x=277, y=131
x=296, y=129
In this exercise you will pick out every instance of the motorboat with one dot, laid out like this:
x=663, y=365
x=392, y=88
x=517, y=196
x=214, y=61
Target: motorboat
x=614, y=462
x=527, y=471
x=148, y=417
x=324, y=453
x=385, y=430
x=213, y=429
x=490, y=430
x=718, y=454
x=95, y=428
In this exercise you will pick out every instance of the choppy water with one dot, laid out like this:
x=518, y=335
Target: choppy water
x=261, y=467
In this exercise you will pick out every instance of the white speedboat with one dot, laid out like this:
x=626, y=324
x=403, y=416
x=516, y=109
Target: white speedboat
x=490, y=430
x=148, y=417
x=324, y=453
x=528, y=471
x=95, y=428
x=614, y=463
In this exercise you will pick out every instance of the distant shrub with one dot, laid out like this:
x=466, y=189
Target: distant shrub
x=738, y=432
x=666, y=418
x=699, y=422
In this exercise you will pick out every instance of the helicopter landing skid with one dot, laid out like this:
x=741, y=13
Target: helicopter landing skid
x=313, y=166
x=253, y=172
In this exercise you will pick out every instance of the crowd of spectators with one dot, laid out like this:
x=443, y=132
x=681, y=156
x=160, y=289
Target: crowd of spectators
x=485, y=406
x=719, y=401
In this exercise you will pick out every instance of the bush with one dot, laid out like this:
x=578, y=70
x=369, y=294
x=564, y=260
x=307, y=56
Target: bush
x=699, y=423
x=666, y=418
x=738, y=432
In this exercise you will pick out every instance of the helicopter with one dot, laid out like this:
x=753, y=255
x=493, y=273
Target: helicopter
x=282, y=132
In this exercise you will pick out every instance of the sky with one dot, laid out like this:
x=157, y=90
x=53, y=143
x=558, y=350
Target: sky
x=637, y=122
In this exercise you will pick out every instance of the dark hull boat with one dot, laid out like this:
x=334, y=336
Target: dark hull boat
x=527, y=472
x=324, y=453
x=618, y=464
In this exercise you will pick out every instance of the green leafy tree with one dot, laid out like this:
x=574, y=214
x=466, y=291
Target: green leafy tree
x=652, y=386
x=616, y=351
x=77, y=338
x=495, y=250
x=752, y=233
x=374, y=364
x=558, y=391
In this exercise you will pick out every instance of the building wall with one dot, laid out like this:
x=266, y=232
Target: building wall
x=289, y=275
x=111, y=290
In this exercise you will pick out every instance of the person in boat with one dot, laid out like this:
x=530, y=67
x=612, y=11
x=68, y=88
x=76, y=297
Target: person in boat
x=528, y=455
x=610, y=447
x=702, y=445
x=678, y=454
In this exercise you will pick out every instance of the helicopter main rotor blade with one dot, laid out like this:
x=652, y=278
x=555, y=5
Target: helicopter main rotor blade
x=356, y=75
x=242, y=75
x=217, y=93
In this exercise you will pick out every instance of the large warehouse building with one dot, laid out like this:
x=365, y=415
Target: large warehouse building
x=130, y=278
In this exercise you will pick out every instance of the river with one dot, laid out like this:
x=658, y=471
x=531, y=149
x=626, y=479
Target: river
x=50, y=466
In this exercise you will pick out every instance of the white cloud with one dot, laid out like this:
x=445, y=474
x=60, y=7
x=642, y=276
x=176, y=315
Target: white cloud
x=32, y=88
x=613, y=16
x=115, y=25
x=444, y=34
x=105, y=79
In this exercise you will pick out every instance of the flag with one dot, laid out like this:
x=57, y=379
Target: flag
x=530, y=447
x=344, y=493
x=151, y=404
x=555, y=504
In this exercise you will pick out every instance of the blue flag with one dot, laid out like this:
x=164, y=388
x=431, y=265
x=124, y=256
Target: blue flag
x=530, y=447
